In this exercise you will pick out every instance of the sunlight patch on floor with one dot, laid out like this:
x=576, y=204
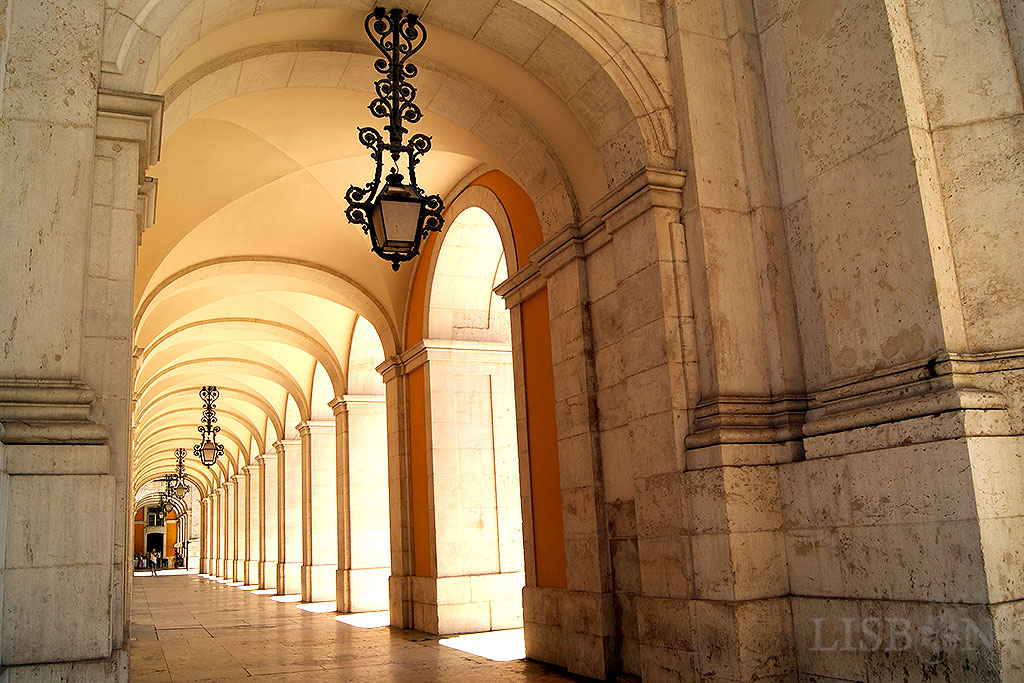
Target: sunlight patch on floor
x=286, y=598
x=365, y=619
x=498, y=646
x=247, y=587
x=318, y=607
x=264, y=591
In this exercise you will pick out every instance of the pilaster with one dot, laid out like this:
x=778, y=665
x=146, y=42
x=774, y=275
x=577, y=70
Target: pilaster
x=363, y=528
x=289, y=516
x=396, y=390
x=319, y=511
x=269, y=512
x=252, y=545
x=587, y=644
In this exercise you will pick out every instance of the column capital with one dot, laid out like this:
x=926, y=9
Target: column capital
x=521, y=285
x=282, y=444
x=309, y=426
x=646, y=189
x=391, y=369
x=341, y=404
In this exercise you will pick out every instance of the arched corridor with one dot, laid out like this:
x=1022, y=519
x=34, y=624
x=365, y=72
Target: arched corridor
x=715, y=357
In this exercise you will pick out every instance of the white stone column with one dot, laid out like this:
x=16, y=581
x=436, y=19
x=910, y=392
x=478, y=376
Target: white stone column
x=245, y=522
x=363, y=524
x=268, y=513
x=72, y=161
x=231, y=527
x=242, y=521
x=319, y=511
x=224, y=531
x=204, y=536
x=396, y=391
x=289, y=516
x=216, y=533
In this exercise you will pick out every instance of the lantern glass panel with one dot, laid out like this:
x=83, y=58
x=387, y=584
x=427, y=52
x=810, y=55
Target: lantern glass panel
x=209, y=453
x=179, y=490
x=396, y=218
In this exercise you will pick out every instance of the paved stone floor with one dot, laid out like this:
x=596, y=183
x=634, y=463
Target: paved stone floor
x=190, y=628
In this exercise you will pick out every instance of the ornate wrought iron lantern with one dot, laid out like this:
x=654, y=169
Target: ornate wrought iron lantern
x=166, y=504
x=181, y=487
x=208, y=450
x=396, y=214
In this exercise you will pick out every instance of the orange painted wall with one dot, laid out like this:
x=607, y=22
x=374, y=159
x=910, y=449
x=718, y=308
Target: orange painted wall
x=549, y=542
x=420, y=494
x=170, y=538
x=545, y=482
x=139, y=544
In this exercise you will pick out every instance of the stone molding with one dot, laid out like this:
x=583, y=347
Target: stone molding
x=955, y=386
x=391, y=368
x=134, y=118
x=951, y=382
x=519, y=287
x=454, y=349
x=307, y=426
x=281, y=444
x=747, y=420
x=561, y=249
x=341, y=404
x=48, y=411
x=646, y=189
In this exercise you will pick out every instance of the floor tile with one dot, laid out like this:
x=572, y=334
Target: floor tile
x=190, y=628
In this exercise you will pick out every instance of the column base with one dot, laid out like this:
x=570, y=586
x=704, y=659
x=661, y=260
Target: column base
x=289, y=578
x=252, y=572
x=267, y=575
x=114, y=669
x=318, y=583
x=238, y=570
x=574, y=629
x=467, y=604
x=363, y=590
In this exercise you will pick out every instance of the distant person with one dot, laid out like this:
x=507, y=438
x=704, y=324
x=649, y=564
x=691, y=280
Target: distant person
x=153, y=560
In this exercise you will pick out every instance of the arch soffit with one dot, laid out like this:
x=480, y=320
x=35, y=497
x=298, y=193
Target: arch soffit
x=242, y=351
x=472, y=105
x=474, y=196
x=160, y=419
x=158, y=466
x=234, y=393
x=301, y=277
x=146, y=474
x=156, y=454
x=161, y=464
x=163, y=440
x=203, y=481
x=142, y=45
x=242, y=366
x=180, y=508
x=266, y=330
